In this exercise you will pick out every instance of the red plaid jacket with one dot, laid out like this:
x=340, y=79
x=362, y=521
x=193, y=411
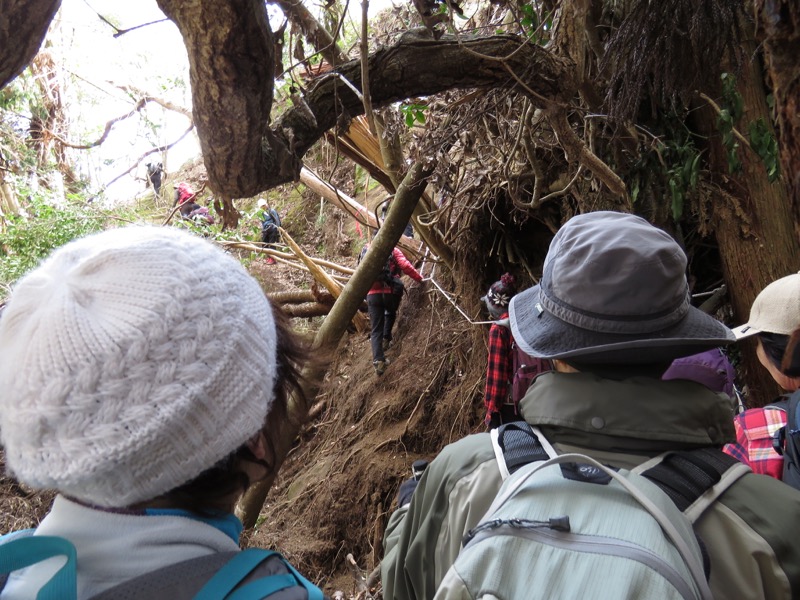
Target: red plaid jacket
x=754, y=430
x=498, y=370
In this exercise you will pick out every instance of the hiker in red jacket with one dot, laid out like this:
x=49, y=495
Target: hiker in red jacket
x=383, y=301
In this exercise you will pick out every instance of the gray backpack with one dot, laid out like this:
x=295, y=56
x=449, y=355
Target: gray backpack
x=569, y=527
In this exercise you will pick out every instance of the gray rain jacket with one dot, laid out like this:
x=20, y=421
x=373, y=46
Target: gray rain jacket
x=752, y=532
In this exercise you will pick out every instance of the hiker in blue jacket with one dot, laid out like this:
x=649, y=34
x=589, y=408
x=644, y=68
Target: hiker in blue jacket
x=145, y=377
x=270, y=221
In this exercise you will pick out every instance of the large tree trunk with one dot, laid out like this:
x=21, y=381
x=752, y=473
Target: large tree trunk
x=752, y=223
x=23, y=25
x=421, y=68
x=779, y=27
x=231, y=64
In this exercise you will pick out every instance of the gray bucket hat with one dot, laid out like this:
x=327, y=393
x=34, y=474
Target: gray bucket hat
x=613, y=291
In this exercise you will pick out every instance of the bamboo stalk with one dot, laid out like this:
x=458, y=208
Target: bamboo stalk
x=287, y=255
x=323, y=278
x=356, y=210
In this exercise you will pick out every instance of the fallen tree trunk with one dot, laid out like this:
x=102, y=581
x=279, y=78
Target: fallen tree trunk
x=358, y=211
x=300, y=296
x=307, y=309
x=359, y=321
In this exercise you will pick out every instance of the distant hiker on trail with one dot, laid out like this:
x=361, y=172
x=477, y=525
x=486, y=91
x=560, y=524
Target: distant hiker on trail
x=155, y=388
x=198, y=214
x=155, y=175
x=503, y=389
x=383, y=301
x=761, y=433
x=612, y=311
x=270, y=221
x=185, y=197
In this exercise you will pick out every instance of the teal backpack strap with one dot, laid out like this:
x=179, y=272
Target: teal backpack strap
x=26, y=551
x=262, y=588
x=314, y=593
x=221, y=585
x=234, y=571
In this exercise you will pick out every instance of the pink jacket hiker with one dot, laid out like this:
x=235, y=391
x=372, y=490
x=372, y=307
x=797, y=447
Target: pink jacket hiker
x=400, y=263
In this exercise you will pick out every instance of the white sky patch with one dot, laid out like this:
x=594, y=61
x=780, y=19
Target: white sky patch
x=152, y=59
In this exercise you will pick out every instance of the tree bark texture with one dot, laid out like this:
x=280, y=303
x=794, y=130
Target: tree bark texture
x=752, y=225
x=231, y=62
x=779, y=25
x=313, y=31
x=23, y=25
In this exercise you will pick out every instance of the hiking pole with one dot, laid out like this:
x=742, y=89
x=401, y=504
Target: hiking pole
x=457, y=307
x=425, y=260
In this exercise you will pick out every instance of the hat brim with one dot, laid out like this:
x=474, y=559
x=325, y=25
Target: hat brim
x=543, y=335
x=744, y=331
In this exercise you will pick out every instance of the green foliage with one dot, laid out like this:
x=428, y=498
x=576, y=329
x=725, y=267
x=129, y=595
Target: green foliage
x=26, y=241
x=536, y=29
x=668, y=170
x=683, y=172
x=762, y=141
x=725, y=123
x=213, y=232
x=764, y=144
x=14, y=96
x=727, y=118
x=413, y=113
x=732, y=98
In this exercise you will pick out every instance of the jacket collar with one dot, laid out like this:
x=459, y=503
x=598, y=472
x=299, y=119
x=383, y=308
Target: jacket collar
x=639, y=414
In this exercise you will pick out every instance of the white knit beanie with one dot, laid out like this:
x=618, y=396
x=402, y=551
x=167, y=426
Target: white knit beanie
x=130, y=362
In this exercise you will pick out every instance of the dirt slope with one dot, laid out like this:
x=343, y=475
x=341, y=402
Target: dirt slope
x=338, y=487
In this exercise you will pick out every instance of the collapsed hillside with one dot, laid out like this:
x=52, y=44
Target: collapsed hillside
x=337, y=488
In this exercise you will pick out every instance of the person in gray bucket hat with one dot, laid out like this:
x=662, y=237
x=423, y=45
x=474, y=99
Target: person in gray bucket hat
x=612, y=311
x=613, y=286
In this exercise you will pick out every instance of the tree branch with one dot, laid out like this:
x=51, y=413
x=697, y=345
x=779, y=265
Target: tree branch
x=422, y=68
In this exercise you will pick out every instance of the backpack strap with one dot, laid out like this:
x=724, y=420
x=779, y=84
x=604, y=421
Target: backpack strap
x=517, y=444
x=791, y=448
x=262, y=587
x=214, y=577
x=695, y=566
x=693, y=479
x=27, y=550
x=7, y=538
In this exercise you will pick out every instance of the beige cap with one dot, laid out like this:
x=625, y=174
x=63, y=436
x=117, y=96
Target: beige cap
x=775, y=310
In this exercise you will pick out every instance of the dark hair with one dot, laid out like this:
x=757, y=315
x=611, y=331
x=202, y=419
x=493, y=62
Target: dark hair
x=783, y=351
x=207, y=493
